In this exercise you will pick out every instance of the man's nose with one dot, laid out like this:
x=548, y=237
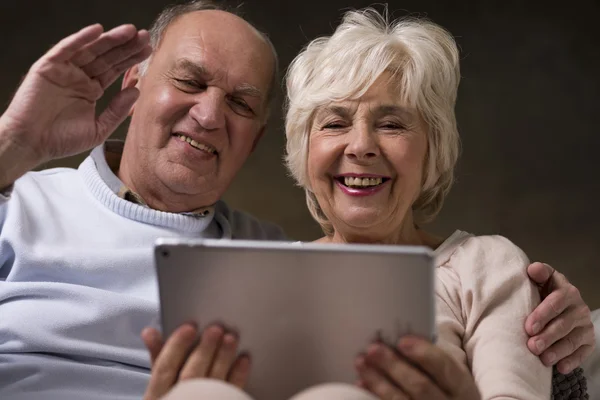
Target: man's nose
x=209, y=110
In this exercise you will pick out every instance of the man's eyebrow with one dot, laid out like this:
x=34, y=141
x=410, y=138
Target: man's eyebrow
x=246, y=89
x=187, y=65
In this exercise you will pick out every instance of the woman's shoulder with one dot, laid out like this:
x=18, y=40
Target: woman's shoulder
x=465, y=250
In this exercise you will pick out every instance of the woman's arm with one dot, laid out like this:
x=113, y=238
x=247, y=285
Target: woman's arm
x=495, y=297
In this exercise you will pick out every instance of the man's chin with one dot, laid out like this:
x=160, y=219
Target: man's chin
x=181, y=179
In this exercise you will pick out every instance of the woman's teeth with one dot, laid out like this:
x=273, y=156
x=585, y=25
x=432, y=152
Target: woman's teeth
x=361, y=182
x=195, y=144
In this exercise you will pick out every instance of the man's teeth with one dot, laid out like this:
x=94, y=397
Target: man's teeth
x=362, y=182
x=195, y=144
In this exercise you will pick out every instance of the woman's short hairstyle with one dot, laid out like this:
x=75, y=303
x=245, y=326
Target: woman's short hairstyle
x=423, y=60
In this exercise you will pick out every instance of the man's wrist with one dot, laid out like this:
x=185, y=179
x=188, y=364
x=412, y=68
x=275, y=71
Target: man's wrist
x=15, y=159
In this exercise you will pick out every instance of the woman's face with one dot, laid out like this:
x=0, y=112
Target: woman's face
x=365, y=163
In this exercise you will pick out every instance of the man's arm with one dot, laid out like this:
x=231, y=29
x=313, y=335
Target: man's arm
x=15, y=159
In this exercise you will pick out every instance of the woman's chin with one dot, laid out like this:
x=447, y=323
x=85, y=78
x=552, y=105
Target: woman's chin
x=365, y=221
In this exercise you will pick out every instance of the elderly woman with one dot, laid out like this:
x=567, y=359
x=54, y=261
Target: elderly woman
x=372, y=138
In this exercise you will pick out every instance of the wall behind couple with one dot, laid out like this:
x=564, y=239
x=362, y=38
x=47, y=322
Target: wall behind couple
x=527, y=111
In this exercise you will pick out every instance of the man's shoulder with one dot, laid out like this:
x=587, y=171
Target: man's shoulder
x=37, y=189
x=246, y=226
x=47, y=179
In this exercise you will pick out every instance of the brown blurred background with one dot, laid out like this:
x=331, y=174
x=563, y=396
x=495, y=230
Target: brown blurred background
x=528, y=113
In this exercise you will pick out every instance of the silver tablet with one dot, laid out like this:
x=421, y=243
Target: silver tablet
x=303, y=311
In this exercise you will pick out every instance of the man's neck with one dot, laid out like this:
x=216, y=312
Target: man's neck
x=159, y=196
x=148, y=189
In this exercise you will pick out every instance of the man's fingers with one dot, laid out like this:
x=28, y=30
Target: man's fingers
x=115, y=113
x=67, y=47
x=539, y=272
x=225, y=357
x=240, y=372
x=108, y=77
x=200, y=360
x=575, y=360
x=568, y=345
x=550, y=308
x=558, y=328
x=153, y=341
x=117, y=54
x=413, y=382
x=377, y=383
x=574, y=325
x=106, y=42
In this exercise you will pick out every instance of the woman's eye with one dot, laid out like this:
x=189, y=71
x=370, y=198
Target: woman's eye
x=391, y=125
x=334, y=125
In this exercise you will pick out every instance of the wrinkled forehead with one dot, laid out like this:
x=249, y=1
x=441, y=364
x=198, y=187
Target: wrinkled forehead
x=222, y=44
x=382, y=95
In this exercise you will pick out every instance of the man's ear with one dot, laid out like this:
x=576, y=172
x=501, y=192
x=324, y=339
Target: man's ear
x=258, y=136
x=131, y=79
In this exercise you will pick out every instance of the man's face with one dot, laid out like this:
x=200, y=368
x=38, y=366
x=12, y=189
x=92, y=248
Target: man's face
x=202, y=106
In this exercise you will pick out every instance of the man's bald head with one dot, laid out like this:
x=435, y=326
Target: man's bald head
x=172, y=13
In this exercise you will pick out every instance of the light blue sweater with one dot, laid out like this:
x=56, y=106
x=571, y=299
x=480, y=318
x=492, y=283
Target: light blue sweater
x=77, y=281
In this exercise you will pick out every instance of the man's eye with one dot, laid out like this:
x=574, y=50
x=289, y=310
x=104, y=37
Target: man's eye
x=191, y=83
x=241, y=105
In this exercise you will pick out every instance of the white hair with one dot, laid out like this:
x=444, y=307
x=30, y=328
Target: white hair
x=423, y=60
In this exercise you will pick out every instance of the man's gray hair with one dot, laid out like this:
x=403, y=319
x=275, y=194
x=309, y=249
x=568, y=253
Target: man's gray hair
x=172, y=12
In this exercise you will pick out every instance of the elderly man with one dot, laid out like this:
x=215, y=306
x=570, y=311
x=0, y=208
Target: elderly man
x=76, y=273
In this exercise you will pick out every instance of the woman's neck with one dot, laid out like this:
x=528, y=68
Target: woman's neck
x=414, y=236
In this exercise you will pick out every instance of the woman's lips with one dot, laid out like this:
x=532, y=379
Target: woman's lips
x=358, y=192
